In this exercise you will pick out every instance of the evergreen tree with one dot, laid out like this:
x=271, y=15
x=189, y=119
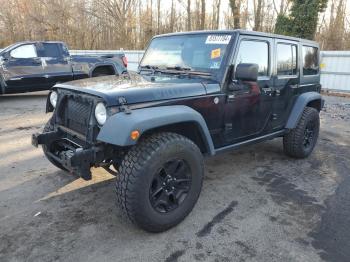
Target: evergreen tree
x=302, y=19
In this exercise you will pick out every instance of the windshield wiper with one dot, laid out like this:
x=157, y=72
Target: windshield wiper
x=187, y=70
x=179, y=68
x=149, y=68
x=174, y=70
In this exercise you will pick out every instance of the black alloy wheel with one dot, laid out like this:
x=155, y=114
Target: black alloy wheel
x=309, y=135
x=170, y=185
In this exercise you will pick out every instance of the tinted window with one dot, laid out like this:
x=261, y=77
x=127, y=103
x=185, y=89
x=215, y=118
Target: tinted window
x=254, y=52
x=24, y=51
x=51, y=50
x=310, y=55
x=286, y=59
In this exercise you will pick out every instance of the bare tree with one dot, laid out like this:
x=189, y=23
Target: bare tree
x=258, y=10
x=158, y=18
x=202, y=25
x=235, y=7
x=218, y=5
x=172, y=16
x=188, y=15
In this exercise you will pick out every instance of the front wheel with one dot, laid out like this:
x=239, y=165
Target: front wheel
x=159, y=181
x=300, y=141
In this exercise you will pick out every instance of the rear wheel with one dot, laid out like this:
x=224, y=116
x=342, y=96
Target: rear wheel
x=300, y=141
x=159, y=181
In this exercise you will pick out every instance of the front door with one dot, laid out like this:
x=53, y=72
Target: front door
x=23, y=69
x=248, y=111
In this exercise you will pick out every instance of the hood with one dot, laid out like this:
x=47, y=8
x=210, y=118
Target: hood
x=136, y=88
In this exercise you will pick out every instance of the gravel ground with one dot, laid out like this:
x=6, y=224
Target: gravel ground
x=256, y=204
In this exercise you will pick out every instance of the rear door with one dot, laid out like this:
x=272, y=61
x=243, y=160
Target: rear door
x=24, y=69
x=286, y=80
x=55, y=62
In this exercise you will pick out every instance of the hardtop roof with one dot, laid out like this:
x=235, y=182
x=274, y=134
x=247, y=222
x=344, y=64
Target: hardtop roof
x=39, y=41
x=244, y=32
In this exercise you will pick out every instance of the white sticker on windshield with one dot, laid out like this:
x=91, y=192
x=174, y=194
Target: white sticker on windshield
x=218, y=39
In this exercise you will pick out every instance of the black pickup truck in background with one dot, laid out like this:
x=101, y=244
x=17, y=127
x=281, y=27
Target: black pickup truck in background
x=39, y=65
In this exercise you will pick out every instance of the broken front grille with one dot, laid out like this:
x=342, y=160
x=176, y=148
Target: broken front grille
x=75, y=112
x=78, y=116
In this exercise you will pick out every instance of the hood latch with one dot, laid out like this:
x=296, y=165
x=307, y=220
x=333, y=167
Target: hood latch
x=123, y=105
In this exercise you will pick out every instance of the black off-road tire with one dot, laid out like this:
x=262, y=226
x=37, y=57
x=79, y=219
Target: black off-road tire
x=138, y=169
x=294, y=142
x=48, y=127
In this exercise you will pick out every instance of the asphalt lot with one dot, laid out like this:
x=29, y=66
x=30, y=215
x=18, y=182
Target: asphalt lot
x=256, y=203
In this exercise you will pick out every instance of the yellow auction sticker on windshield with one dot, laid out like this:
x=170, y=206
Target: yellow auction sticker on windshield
x=215, y=53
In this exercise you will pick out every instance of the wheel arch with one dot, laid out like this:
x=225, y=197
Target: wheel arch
x=190, y=129
x=317, y=104
x=108, y=66
x=309, y=99
x=179, y=119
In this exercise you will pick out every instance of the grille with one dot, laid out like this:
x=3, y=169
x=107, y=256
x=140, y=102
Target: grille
x=77, y=115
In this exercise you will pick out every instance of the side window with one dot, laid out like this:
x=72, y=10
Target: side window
x=51, y=50
x=24, y=51
x=255, y=52
x=310, y=58
x=286, y=59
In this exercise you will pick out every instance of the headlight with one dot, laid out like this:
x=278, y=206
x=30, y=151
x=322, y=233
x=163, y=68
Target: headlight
x=101, y=113
x=53, y=98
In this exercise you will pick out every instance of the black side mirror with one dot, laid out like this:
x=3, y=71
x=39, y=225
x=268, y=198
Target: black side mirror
x=6, y=56
x=246, y=72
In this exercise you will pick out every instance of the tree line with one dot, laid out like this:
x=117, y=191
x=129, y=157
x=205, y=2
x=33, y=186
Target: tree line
x=130, y=24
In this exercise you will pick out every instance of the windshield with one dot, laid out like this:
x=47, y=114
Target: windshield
x=199, y=52
x=7, y=48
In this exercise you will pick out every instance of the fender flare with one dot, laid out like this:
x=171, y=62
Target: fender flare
x=101, y=65
x=118, y=127
x=299, y=106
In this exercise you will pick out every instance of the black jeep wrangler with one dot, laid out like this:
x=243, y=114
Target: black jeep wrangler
x=195, y=94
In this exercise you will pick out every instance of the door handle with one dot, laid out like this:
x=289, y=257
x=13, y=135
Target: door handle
x=267, y=90
x=66, y=59
x=37, y=61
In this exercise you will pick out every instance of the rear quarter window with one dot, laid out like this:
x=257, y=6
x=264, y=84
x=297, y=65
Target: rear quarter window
x=310, y=60
x=51, y=50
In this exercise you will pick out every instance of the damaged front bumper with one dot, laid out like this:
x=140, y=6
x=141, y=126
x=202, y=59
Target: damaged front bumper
x=77, y=160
